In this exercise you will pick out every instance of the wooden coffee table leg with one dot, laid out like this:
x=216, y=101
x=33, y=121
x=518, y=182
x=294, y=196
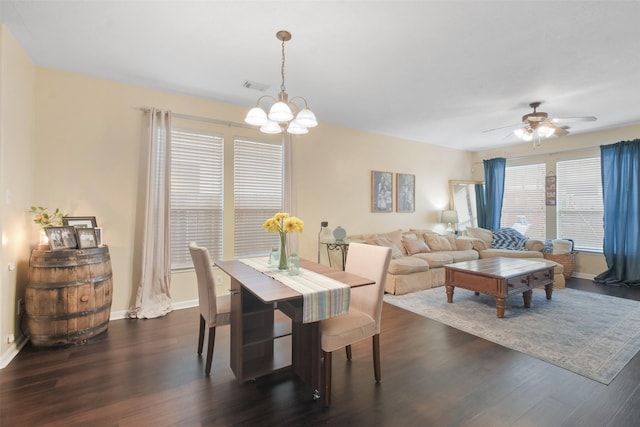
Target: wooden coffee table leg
x=449, y=293
x=526, y=296
x=549, y=290
x=500, y=304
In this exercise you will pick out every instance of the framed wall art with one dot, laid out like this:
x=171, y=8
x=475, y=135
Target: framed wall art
x=405, y=192
x=381, y=191
x=80, y=221
x=61, y=238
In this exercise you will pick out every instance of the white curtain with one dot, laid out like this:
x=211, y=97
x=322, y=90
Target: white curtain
x=153, y=298
x=290, y=199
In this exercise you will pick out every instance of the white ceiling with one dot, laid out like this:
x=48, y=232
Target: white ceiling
x=438, y=72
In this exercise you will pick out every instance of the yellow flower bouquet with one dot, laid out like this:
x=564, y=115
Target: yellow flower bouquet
x=282, y=223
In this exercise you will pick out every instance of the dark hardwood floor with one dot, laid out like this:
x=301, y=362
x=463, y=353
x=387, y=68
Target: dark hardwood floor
x=147, y=373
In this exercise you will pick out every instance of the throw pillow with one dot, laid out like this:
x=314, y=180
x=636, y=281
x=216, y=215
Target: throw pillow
x=384, y=241
x=508, y=238
x=463, y=244
x=437, y=242
x=415, y=246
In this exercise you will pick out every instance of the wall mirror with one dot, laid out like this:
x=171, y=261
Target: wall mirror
x=462, y=198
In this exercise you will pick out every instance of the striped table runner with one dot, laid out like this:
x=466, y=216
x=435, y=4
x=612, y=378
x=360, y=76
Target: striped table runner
x=322, y=297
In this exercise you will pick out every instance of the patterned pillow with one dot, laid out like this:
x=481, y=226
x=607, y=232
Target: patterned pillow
x=415, y=246
x=508, y=238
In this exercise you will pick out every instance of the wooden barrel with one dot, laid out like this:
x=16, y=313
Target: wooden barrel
x=68, y=298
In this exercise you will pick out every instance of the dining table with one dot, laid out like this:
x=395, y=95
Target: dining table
x=273, y=327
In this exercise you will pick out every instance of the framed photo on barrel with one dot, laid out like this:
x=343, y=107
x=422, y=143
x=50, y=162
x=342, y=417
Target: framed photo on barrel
x=80, y=221
x=381, y=191
x=61, y=238
x=86, y=238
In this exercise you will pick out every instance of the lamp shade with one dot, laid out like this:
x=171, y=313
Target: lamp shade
x=280, y=112
x=271, y=127
x=449, y=217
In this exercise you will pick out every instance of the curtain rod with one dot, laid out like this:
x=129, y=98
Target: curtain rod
x=553, y=153
x=205, y=119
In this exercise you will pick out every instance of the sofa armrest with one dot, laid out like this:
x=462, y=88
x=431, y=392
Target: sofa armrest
x=534, y=245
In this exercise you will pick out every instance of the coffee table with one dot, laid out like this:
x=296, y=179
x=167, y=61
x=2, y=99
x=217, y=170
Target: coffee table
x=500, y=277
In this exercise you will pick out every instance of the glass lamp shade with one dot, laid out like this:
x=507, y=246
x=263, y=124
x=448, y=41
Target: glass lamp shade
x=271, y=127
x=256, y=117
x=527, y=136
x=280, y=112
x=296, y=129
x=306, y=118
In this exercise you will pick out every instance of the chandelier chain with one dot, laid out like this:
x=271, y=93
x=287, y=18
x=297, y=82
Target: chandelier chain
x=282, y=88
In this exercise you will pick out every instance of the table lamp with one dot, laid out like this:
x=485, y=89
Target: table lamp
x=449, y=217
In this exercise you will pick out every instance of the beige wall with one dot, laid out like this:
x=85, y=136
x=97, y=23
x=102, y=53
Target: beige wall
x=17, y=146
x=89, y=134
x=588, y=265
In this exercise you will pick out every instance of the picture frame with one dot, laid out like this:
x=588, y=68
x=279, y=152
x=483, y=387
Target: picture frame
x=98, y=231
x=405, y=192
x=381, y=191
x=86, y=237
x=80, y=221
x=61, y=237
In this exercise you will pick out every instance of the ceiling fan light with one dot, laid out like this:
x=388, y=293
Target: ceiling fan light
x=271, y=127
x=545, y=131
x=306, y=118
x=256, y=117
x=519, y=132
x=280, y=112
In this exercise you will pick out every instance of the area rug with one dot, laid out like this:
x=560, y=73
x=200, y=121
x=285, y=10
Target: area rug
x=590, y=334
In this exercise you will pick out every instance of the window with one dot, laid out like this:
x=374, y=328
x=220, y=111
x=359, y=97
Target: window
x=258, y=171
x=196, y=194
x=579, y=203
x=523, y=205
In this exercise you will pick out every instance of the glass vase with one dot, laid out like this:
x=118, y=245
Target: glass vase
x=282, y=265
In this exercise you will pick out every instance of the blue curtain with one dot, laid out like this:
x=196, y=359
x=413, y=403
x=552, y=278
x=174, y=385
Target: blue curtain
x=621, y=192
x=494, y=170
x=481, y=206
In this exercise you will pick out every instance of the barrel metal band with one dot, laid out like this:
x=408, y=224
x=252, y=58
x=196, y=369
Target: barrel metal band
x=49, y=285
x=68, y=316
x=69, y=262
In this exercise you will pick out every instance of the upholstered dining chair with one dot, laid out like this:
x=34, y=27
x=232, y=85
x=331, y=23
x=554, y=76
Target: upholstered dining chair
x=214, y=310
x=365, y=310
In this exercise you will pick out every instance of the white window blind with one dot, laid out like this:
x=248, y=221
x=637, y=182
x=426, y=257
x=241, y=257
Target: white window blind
x=523, y=205
x=579, y=203
x=196, y=194
x=258, y=172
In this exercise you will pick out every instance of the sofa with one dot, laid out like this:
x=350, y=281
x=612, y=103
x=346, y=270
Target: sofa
x=418, y=257
x=507, y=242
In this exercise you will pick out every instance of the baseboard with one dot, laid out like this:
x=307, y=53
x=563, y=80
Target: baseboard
x=583, y=276
x=180, y=305
x=12, y=351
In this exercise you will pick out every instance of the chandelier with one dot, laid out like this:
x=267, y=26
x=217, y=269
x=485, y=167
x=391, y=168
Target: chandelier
x=283, y=110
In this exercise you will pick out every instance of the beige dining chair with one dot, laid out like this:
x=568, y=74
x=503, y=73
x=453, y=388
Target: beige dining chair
x=365, y=310
x=214, y=310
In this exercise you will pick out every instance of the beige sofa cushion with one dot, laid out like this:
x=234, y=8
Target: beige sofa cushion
x=463, y=244
x=489, y=253
x=407, y=265
x=385, y=241
x=435, y=259
x=459, y=256
x=437, y=242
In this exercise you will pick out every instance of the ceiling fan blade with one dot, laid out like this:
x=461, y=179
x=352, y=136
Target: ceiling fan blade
x=574, y=119
x=503, y=127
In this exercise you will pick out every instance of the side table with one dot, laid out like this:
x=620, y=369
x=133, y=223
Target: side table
x=337, y=246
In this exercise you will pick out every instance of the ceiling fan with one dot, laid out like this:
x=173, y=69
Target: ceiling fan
x=538, y=124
